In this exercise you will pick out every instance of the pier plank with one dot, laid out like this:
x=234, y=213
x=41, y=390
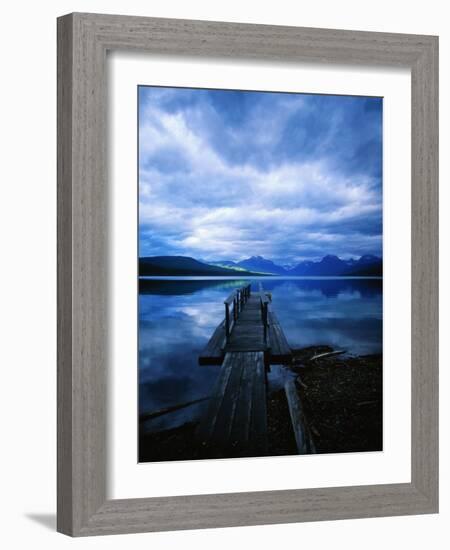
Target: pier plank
x=240, y=431
x=220, y=432
x=235, y=423
x=213, y=353
x=280, y=351
x=258, y=422
x=208, y=423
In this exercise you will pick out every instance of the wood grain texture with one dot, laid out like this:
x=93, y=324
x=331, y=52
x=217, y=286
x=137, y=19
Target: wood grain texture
x=235, y=422
x=301, y=432
x=425, y=273
x=83, y=40
x=64, y=297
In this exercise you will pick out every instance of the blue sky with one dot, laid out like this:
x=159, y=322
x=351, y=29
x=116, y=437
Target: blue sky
x=229, y=174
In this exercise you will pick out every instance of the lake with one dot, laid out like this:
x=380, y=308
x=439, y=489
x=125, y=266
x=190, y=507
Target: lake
x=177, y=316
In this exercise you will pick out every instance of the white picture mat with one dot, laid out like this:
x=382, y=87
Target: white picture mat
x=127, y=478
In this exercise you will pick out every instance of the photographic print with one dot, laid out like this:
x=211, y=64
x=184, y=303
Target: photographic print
x=260, y=273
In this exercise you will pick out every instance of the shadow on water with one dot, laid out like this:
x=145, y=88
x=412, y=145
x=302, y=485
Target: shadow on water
x=178, y=316
x=185, y=286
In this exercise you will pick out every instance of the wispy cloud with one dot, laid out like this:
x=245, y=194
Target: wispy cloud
x=225, y=174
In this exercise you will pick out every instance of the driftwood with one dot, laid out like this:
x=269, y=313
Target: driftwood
x=309, y=351
x=301, y=361
x=149, y=415
x=328, y=354
x=302, y=433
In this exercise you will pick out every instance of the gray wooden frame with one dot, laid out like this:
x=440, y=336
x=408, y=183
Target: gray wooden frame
x=83, y=40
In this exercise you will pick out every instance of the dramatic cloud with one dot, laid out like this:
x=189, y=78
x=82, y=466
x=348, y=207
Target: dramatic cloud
x=227, y=175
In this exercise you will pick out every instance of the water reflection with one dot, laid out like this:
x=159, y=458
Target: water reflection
x=178, y=316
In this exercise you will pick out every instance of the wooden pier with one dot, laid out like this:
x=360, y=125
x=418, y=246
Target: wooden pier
x=249, y=324
x=246, y=343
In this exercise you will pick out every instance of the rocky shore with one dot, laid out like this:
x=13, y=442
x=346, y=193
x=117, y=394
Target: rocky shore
x=341, y=396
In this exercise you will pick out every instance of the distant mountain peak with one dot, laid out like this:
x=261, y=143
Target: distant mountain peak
x=261, y=264
x=331, y=265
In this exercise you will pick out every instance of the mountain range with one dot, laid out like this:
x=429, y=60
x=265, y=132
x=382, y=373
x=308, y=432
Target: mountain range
x=184, y=265
x=330, y=265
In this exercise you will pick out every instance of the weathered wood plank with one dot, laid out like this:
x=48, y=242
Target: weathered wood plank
x=219, y=439
x=166, y=410
x=209, y=419
x=258, y=422
x=301, y=432
x=230, y=298
x=235, y=423
x=240, y=430
x=280, y=351
x=212, y=353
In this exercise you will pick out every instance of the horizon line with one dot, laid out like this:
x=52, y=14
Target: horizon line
x=379, y=257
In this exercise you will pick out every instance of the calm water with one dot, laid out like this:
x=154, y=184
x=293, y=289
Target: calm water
x=178, y=315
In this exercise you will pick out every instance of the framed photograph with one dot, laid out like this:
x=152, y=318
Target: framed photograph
x=247, y=274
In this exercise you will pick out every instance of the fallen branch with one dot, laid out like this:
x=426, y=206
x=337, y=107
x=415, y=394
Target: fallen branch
x=327, y=354
x=149, y=415
x=310, y=349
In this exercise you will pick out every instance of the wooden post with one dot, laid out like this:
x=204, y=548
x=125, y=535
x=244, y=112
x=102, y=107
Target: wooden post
x=227, y=321
x=265, y=321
